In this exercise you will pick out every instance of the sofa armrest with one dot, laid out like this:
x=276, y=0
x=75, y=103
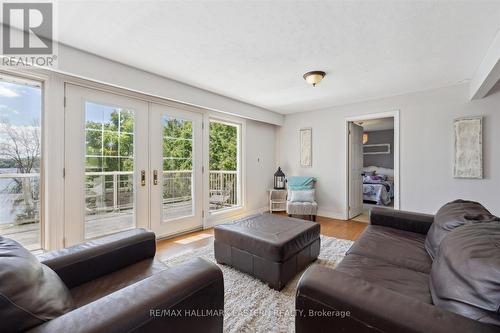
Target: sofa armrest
x=84, y=262
x=356, y=305
x=398, y=219
x=186, y=298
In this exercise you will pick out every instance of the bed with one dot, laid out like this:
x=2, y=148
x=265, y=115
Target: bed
x=378, y=185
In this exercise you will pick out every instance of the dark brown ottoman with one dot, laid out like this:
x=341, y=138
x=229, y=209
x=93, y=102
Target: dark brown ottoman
x=269, y=247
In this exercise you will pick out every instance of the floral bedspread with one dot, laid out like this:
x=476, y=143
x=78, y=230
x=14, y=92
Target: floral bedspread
x=380, y=192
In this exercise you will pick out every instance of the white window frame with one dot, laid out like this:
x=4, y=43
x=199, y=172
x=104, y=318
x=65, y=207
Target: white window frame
x=11, y=76
x=223, y=215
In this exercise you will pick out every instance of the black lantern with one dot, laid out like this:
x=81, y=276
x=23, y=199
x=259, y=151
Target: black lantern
x=279, y=180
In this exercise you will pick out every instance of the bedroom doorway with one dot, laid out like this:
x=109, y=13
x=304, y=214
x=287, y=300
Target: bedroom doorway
x=372, y=164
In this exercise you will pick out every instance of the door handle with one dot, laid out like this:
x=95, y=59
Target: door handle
x=155, y=177
x=143, y=178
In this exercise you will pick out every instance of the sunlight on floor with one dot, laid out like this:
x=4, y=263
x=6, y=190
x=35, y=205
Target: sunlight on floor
x=193, y=238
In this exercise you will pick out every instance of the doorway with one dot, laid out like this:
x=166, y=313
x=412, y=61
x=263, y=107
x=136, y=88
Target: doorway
x=372, y=164
x=130, y=163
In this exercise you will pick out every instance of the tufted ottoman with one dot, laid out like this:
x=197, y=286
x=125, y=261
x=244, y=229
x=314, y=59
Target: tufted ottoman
x=269, y=247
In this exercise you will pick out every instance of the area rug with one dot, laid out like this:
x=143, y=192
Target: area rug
x=250, y=305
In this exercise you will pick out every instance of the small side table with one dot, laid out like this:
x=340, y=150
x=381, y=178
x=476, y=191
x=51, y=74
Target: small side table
x=277, y=200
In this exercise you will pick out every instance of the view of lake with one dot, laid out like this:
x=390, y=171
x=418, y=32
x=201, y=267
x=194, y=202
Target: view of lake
x=7, y=199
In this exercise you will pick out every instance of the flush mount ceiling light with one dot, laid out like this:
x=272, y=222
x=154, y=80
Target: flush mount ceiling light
x=314, y=77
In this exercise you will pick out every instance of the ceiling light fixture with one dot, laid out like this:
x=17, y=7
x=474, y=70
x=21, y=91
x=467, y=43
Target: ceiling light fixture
x=314, y=77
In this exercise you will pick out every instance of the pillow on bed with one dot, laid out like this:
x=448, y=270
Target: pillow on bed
x=380, y=171
x=374, y=178
x=301, y=196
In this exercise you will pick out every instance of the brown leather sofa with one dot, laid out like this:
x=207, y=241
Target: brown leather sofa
x=383, y=283
x=116, y=285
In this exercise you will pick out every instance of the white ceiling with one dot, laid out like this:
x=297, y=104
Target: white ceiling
x=257, y=51
x=379, y=124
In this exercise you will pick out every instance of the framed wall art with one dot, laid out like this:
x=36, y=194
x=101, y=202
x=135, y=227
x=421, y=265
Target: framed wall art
x=468, y=134
x=306, y=147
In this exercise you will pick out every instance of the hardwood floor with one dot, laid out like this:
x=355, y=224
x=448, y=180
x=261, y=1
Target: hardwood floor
x=191, y=241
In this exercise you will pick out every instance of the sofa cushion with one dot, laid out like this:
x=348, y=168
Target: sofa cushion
x=301, y=195
x=398, y=247
x=452, y=215
x=465, y=276
x=30, y=292
x=387, y=275
x=107, y=284
x=104, y=255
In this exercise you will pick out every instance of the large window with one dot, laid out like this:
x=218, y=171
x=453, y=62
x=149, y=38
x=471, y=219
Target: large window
x=224, y=161
x=20, y=148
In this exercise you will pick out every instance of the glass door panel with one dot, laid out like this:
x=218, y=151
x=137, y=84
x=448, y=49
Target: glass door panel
x=109, y=169
x=20, y=156
x=176, y=161
x=106, y=164
x=177, y=168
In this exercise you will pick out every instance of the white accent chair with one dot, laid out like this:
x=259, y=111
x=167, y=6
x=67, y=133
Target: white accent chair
x=302, y=208
x=302, y=202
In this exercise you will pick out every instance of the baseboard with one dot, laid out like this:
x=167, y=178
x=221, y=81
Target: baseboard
x=325, y=212
x=237, y=215
x=330, y=213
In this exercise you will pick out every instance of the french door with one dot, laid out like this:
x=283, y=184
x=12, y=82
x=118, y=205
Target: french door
x=129, y=163
x=176, y=165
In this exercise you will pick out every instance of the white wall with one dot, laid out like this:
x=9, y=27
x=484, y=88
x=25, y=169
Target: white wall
x=426, y=154
x=260, y=164
x=81, y=64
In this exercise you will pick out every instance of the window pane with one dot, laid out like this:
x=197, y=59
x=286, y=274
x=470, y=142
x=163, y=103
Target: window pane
x=223, y=178
x=109, y=170
x=177, y=128
x=177, y=168
x=20, y=147
x=93, y=142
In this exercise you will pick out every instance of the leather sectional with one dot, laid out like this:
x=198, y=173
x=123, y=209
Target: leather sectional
x=113, y=284
x=388, y=281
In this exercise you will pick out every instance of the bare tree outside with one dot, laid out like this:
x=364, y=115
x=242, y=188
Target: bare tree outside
x=20, y=149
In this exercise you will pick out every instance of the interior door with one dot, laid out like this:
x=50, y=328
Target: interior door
x=176, y=169
x=355, y=170
x=106, y=164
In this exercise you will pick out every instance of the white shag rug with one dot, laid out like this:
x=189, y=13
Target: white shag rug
x=249, y=304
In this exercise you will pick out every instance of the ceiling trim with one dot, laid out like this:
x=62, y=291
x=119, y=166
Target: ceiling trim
x=488, y=72
x=75, y=62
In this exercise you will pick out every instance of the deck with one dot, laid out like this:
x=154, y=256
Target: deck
x=109, y=202
x=97, y=226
